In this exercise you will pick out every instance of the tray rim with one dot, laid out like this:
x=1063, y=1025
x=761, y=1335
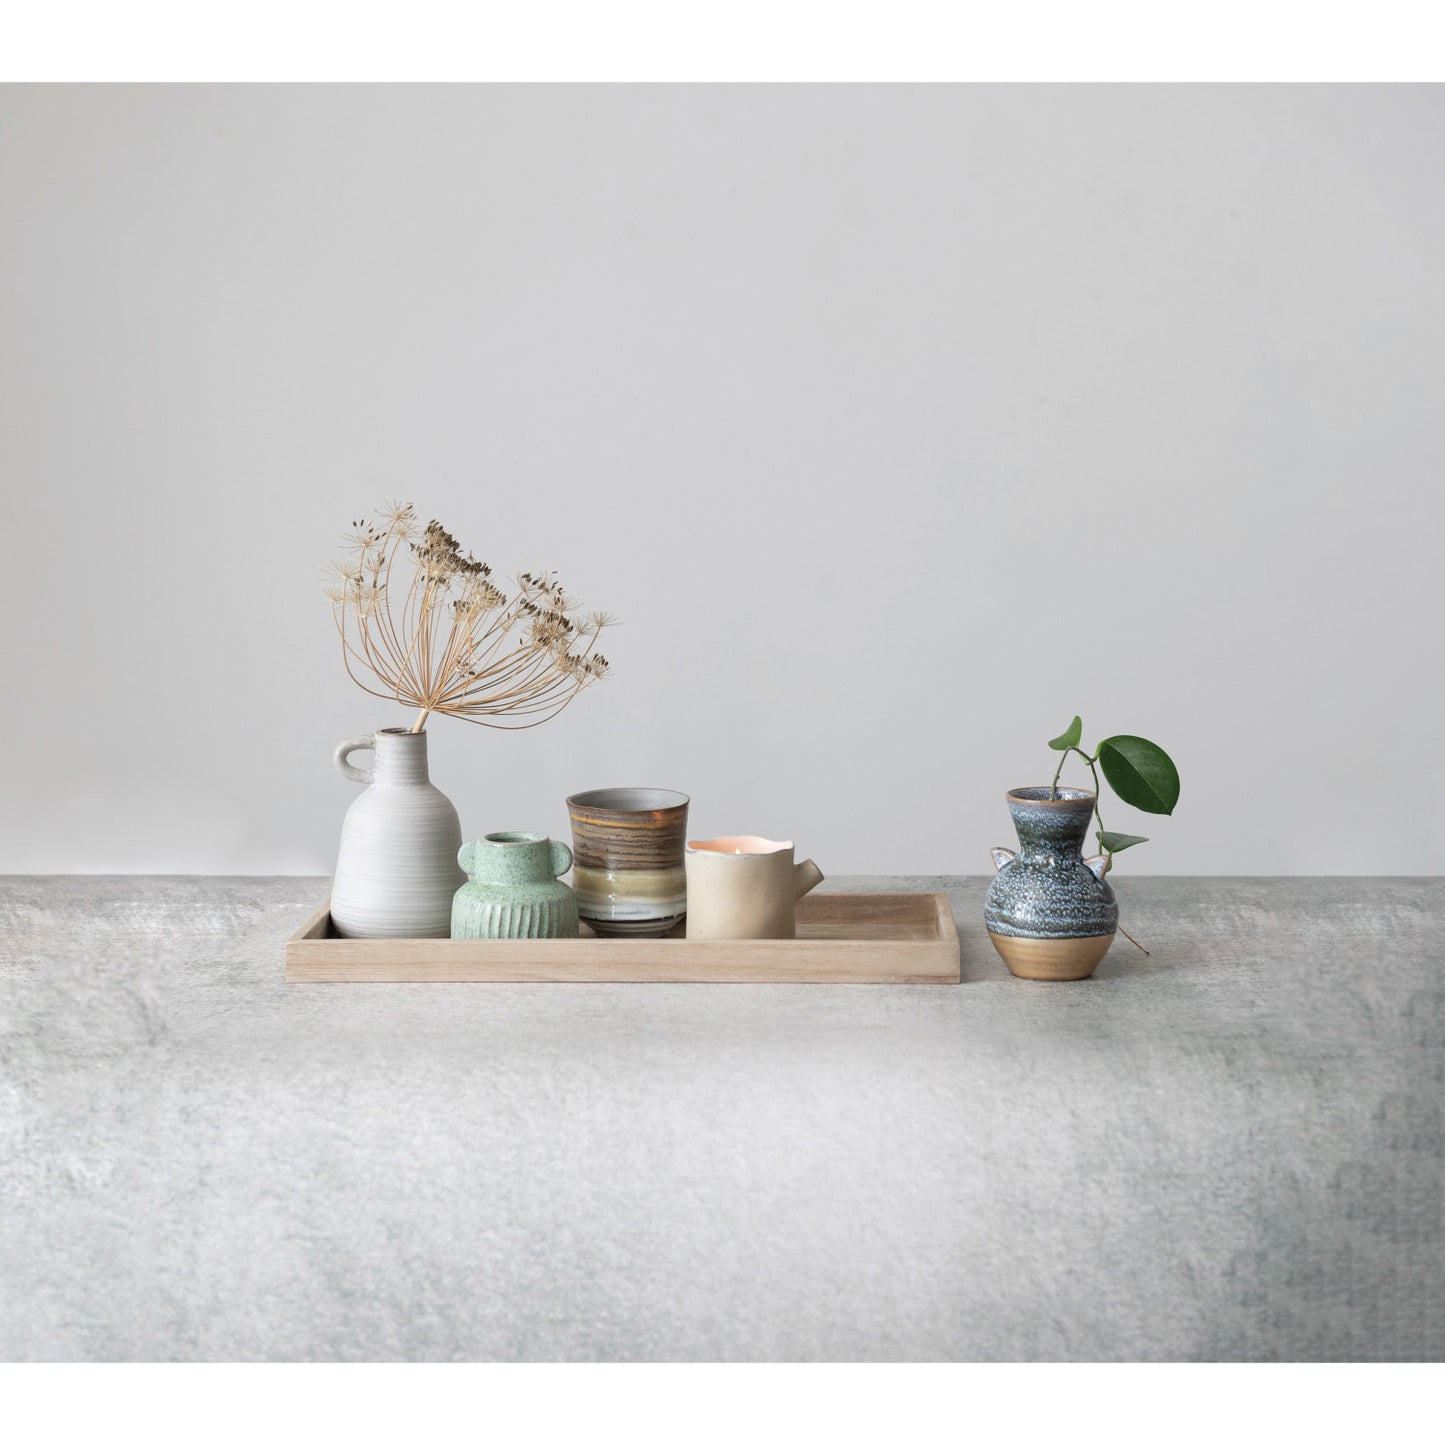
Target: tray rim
x=311, y=958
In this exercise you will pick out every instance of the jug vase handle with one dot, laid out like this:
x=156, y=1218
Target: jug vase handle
x=345, y=750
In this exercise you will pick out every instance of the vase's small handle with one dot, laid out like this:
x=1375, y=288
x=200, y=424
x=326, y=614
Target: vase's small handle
x=1002, y=856
x=467, y=857
x=345, y=750
x=806, y=877
x=1098, y=865
x=561, y=858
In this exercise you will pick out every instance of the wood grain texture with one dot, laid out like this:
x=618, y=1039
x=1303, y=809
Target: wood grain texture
x=842, y=938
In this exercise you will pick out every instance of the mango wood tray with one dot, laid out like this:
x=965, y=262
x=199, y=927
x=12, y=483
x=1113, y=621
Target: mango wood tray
x=842, y=938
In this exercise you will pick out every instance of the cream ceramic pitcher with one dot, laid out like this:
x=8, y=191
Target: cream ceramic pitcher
x=745, y=887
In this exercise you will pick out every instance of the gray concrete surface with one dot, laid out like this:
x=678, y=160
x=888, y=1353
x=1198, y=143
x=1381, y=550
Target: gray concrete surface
x=1229, y=1150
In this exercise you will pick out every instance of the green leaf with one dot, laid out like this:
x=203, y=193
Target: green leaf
x=1117, y=842
x=1070, y=736
x=1141, y=772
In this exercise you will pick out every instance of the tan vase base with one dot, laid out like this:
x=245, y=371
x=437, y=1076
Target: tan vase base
x=1054, y=960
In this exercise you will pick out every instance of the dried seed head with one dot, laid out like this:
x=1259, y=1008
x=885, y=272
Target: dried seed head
x=456, y=619
x=400, y=518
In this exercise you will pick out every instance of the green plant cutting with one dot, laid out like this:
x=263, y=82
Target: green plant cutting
x=1139, y=772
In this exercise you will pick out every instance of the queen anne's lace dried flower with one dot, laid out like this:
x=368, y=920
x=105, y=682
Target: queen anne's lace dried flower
x=363, y=536
x=480, y=593
x=400, y=518
x=450, y=641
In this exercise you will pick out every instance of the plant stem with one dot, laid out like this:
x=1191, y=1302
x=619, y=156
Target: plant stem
x=1054, y=786
x=1099, y=820
x=1134, y=941
x=1094, y=773
x=421, y=718
x=1053, y=792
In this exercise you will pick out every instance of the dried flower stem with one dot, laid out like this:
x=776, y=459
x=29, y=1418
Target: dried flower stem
x=445, y=648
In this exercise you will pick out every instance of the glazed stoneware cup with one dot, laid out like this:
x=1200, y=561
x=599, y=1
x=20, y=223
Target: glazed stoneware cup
x=745, y=887
x=627, y=860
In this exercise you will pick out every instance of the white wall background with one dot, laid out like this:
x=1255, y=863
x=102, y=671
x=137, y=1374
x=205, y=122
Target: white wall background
x=899, y=424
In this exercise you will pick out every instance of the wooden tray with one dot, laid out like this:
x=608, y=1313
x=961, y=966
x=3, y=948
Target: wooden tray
x=842, y=938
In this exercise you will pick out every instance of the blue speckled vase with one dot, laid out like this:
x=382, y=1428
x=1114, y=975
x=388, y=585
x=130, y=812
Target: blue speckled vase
x=514, y=892
x=1049, y=911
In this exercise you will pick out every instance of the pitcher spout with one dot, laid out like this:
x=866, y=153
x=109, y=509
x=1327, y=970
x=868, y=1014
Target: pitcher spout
x=806, y=877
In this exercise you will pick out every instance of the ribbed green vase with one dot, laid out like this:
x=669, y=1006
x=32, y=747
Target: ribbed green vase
x=514, y=892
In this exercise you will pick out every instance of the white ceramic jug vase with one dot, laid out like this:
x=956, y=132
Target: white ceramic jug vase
x=397, y=869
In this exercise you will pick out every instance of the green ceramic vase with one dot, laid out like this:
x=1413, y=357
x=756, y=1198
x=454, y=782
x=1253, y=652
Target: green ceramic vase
x=513, y=890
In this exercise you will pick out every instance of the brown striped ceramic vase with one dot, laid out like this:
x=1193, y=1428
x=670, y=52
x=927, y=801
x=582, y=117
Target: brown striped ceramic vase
x=627, y=870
